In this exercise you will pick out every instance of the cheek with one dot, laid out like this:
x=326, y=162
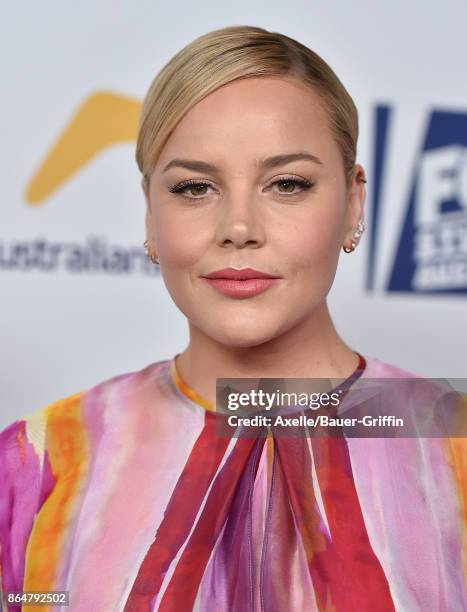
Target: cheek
x=180, y=243
x=313, y=242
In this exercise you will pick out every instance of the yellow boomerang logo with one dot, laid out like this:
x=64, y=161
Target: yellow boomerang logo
x=103, y=120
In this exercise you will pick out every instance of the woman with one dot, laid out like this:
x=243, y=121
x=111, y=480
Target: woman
x=125, y=494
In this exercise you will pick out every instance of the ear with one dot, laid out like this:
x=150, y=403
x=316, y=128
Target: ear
x=356, y=194
x=145, y=188
x=149, y=220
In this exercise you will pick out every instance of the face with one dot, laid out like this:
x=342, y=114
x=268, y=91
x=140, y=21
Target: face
x=289, y=219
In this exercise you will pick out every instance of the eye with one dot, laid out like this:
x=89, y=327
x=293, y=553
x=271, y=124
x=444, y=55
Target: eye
x=289, y=184
x=198, y=188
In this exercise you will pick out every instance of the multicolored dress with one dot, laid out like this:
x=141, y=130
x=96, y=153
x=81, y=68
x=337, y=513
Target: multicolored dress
x=125, y=496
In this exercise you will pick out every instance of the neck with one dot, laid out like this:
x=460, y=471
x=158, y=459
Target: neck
x=312, y=349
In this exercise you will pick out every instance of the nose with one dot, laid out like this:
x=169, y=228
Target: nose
x=240, y=221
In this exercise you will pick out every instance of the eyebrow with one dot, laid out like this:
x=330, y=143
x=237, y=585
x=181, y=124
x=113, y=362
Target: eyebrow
x=265, y=163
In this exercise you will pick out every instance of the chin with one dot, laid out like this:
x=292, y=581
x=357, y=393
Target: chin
x=241, y=336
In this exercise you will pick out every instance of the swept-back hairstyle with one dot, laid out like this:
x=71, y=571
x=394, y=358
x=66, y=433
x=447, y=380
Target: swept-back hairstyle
x=222, y=56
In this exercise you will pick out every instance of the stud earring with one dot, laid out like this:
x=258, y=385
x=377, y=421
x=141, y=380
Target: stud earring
x=360, y=229
x=358, y=232
x=351, y=248
x=151, y=256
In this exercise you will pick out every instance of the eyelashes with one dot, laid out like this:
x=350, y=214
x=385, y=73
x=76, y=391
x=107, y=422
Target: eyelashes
x=180, y=188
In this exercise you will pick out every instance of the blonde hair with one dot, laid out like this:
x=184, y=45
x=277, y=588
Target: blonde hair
x=222, y=56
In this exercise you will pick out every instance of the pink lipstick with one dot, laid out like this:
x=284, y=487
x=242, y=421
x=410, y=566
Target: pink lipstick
x=243, y=283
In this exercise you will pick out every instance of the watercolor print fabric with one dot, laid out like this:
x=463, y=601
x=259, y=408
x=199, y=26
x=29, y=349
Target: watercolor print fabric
x=125, y=496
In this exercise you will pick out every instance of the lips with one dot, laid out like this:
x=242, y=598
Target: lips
x=243, y=274
x=243, y=283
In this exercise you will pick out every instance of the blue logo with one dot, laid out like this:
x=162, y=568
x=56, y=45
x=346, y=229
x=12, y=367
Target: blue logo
x=431, y=253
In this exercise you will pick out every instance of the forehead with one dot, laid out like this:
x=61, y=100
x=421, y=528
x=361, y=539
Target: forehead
x=252, y=117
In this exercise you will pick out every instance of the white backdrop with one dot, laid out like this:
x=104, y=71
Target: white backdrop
x=63, y=330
